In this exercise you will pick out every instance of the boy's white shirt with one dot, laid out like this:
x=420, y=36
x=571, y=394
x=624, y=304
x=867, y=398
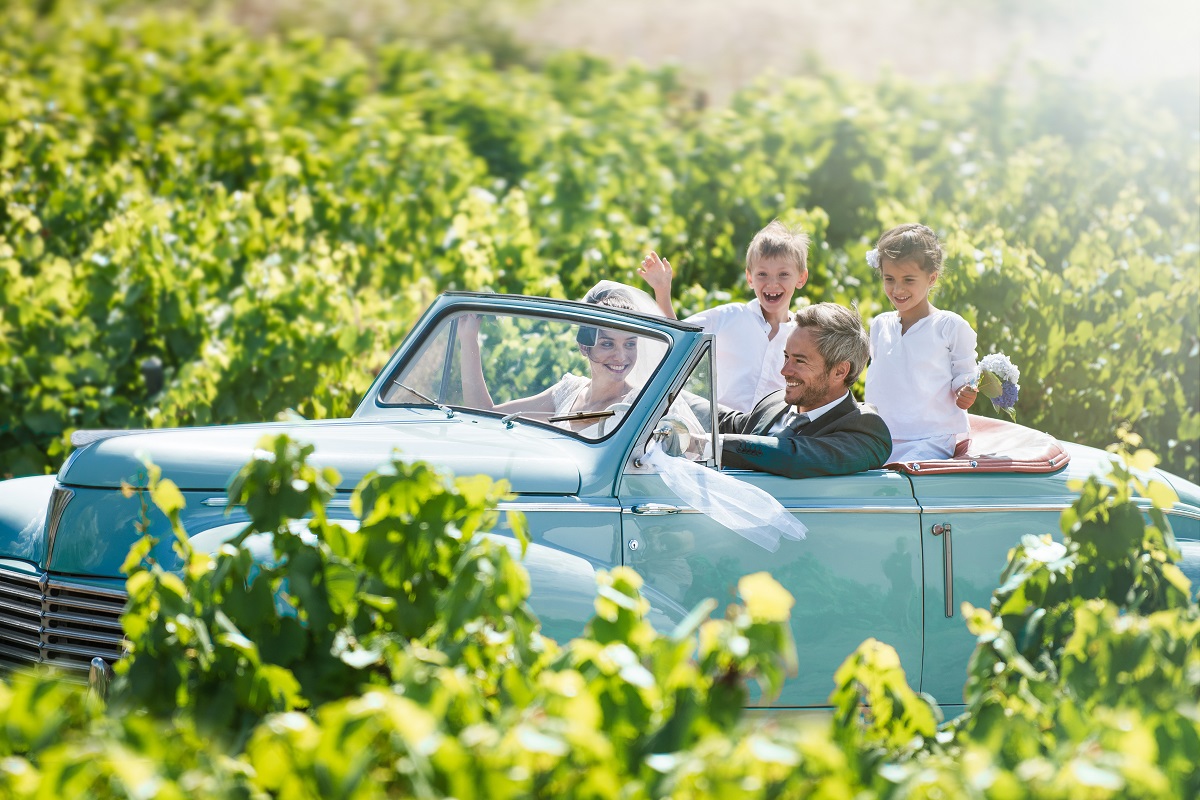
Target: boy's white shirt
x=748, y=363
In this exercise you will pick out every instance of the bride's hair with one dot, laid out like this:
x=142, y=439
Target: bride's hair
x=611, y=296
x=601, y=295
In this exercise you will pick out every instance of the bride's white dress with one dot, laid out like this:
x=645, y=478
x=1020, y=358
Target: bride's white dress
x=567, y=391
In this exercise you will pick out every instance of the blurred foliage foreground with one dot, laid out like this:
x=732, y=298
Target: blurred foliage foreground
x=402, y=660
x=266, y=216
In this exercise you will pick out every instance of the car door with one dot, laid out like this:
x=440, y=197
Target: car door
x=856, y=575
x=969, y=523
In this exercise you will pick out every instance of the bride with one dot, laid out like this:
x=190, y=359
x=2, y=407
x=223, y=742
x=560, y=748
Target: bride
x=612, y=358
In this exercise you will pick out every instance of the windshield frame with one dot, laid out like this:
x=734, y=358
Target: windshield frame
x=428, y=329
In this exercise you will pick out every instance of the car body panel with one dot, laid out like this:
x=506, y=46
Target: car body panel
x=857, y=574
x=206, y=458
x=23, y=505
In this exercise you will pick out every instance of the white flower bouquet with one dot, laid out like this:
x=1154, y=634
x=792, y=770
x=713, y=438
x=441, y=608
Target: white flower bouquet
x=999, y=379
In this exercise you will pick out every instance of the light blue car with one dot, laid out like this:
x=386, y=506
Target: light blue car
x=889, y=553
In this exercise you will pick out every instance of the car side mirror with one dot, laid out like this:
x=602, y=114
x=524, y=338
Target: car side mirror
x=673, y=435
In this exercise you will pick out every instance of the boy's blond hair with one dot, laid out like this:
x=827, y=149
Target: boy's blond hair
x=779, y=241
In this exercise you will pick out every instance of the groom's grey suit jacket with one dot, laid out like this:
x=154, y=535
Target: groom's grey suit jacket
x=846, y=439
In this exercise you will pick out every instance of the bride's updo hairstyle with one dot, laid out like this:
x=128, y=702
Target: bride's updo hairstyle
x=600, y=295
x=910, y=242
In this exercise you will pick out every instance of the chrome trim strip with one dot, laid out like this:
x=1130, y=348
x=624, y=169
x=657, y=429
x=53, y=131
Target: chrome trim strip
x=823, y=510
x=85, y=636
x=16, y=622
x=1186, y=513
x=577, y=507
x=73, y=650
x=1181, y=512
x=567, y=507
x=59, y=498
x=976, y=509
x=113, y=624
x=344, y=502
x=515, y=505
x=17, y=655
x=82, y=588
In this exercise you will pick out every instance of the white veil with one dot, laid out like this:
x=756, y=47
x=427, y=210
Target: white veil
x=745, y=509
x=612, y=294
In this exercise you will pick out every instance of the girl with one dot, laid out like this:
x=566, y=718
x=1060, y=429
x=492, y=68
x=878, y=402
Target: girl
x=922, y=371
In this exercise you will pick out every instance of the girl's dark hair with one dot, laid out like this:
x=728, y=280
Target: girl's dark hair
x=912, y=242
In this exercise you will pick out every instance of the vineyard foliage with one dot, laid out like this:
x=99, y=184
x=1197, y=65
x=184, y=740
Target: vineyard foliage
x=268, y=215
x=403, y=661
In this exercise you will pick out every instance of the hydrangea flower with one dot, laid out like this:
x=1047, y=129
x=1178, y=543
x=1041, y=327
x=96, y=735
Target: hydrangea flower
x=999, y=379
x=999, y=365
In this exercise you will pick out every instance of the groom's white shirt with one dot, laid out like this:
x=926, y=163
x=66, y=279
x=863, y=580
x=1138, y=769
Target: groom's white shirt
x=783, y=422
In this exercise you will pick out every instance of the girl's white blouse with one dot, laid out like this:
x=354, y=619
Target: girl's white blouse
x=912, y=377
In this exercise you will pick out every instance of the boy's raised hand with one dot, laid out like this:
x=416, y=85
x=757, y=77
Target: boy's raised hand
x=657, y=272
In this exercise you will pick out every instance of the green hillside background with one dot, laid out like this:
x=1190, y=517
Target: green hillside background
x=266, y=206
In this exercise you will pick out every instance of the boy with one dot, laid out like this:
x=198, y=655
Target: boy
x=749, y=336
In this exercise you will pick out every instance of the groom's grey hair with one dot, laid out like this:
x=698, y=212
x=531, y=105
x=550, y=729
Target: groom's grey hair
x=840, y=336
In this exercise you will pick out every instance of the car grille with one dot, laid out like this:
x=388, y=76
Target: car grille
x=47, y=621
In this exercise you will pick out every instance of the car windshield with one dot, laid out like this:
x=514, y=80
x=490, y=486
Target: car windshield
x=577, y=377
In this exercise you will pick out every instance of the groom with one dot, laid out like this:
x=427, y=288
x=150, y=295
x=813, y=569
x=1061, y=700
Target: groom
x=812, y=426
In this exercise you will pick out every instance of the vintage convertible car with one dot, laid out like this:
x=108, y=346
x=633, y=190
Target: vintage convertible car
x=890, y=553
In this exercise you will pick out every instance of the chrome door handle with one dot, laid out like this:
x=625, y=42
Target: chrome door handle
x=943, y=530
x=654, y=509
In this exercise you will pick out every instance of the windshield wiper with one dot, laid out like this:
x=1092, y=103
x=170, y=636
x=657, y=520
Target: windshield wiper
x=608, y=412
x=445, y=408
x=507, y=419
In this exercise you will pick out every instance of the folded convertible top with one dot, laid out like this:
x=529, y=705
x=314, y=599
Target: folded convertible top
x=995, y=446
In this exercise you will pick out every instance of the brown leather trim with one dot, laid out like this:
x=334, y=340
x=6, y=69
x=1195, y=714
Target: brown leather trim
x=995, y=446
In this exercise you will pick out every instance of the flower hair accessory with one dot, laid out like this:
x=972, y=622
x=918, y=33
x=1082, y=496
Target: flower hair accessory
x=873, y=258
x=999, y=379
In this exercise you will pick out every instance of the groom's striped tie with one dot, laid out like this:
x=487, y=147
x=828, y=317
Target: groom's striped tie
x=795, y=421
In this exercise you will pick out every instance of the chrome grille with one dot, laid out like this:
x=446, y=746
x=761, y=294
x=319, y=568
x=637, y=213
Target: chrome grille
x=48, y=621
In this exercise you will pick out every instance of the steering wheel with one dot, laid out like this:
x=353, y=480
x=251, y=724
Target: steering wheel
x=609, y=423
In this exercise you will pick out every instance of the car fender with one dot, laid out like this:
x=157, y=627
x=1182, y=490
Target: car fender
x=1189, y=562
x=563, y=585
x=23, y=505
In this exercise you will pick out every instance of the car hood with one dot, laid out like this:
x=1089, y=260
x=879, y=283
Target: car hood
x=532, y=460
